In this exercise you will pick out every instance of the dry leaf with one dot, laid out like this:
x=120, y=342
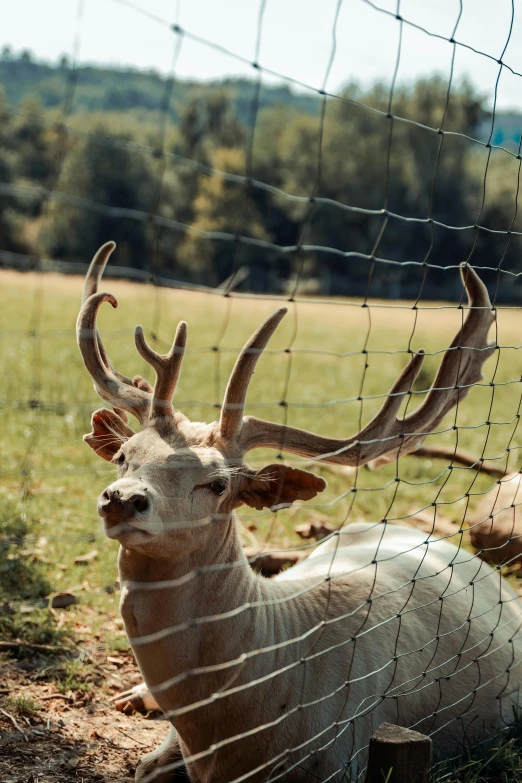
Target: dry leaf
x=72, y=762
x=84, y=559
x=271, y=562
x=318, y=529
x=62, y=600
x=435, y=525
x=114, y=659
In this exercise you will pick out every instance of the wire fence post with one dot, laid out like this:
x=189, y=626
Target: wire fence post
x=398, y=755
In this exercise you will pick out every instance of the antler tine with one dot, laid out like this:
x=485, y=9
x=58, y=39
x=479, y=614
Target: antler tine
x=386, y=436
x=96, y=269
x=461, y=366
x=167, y=368
x=108, y=385
x=231, y=419
x=459, y=370
x=90, y=287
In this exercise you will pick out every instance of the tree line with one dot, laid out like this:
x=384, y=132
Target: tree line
x=347, y=199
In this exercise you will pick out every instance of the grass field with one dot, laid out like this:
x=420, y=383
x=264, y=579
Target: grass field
x=49, y=479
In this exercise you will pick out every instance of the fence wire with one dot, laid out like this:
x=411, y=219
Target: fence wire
x=406, y=617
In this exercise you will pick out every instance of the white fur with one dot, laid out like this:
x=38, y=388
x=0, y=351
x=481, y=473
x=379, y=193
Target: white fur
x=437, y=672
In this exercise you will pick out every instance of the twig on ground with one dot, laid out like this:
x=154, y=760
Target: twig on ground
x=33, y=646
x=145, y=745
x=56, y=696
x=13, y=720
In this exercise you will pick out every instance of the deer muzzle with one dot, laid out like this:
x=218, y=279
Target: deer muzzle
x=123, y=503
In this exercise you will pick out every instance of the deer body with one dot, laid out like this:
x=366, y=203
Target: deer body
x=497, y=524
x=348, y=682
x=288, y=678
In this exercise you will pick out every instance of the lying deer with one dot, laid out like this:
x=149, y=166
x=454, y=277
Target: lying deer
x=288, y=677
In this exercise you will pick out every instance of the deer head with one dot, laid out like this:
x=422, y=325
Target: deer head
x=176, y=474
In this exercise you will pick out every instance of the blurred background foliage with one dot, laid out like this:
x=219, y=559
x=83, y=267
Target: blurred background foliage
x=191, y=155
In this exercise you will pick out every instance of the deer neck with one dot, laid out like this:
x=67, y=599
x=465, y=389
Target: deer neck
x=184, y=597
x=215, y=543
x=191, y=589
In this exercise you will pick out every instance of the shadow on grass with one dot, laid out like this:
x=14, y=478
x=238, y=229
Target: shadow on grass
x=21, y=576
x=497, y=759
x=23, y=579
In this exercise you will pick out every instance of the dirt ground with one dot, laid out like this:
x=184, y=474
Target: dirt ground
x=74, y=736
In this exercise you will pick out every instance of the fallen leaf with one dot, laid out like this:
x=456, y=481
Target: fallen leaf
x=435, y=525
x=72, y=762
x=84, y=559
x=114, y=659
x=271, y=562
x=35, y=554
x=318, y=529
x=62, y=600
x=514, y=568
x=82, y=629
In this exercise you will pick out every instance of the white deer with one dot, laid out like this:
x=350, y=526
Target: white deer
x=287, y=678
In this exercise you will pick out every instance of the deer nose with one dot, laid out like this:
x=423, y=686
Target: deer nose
x=114, y=503
x=139, y=501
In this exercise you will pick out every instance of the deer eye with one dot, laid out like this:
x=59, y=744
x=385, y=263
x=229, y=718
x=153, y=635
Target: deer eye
x=119, y=459
x=218, y=487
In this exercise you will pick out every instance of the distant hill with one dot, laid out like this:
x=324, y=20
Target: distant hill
x=104, y=89
x=100, y=89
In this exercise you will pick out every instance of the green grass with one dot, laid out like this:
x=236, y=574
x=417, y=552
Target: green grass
x=50, y=479
x=22, y=574
x=21, y=705
x=73, y=674
x=33, y=625
x=498, y=759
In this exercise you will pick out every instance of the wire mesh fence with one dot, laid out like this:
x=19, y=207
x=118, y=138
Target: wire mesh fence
x=397, y=607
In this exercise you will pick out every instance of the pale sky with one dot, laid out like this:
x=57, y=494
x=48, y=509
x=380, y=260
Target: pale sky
x=296, y=38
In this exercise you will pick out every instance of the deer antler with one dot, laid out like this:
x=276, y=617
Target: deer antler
x=233, y=406
x=123, y=393
x=90, y=287
x=386, y=435
x=108, y=385
x=167, y=368
x=380, y=441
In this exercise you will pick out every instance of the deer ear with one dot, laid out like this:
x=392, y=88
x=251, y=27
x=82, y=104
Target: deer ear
x=109, y=431
x=277, y=486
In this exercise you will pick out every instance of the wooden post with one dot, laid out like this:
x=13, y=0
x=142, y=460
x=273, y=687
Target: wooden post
x=398, y=755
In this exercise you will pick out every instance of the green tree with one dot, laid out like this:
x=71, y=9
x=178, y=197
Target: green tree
x=222, y=206
x=35, y=144
x=12, y=234
x=100, y=179
x=348, y=163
